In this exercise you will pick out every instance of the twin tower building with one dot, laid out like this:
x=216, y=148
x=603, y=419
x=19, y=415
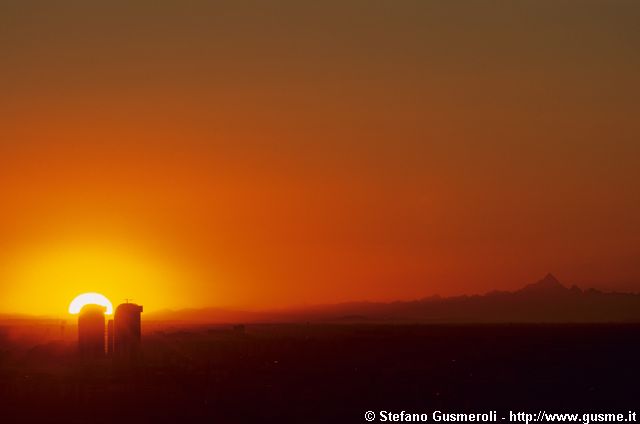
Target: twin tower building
x=123, y=334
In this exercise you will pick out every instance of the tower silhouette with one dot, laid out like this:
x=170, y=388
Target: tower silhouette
x=110, y=337
x=127, y=331
x=91, y=331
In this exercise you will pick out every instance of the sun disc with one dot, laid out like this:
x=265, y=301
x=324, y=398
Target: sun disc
x=81, y=300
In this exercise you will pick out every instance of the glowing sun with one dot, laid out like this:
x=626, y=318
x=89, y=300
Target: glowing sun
x=90, y=299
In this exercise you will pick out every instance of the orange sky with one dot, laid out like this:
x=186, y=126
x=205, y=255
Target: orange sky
x=258, y=156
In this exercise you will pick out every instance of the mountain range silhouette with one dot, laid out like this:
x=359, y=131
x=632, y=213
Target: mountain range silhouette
x=545, y=301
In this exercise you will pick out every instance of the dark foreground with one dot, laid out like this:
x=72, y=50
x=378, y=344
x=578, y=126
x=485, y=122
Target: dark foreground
x=325, y=373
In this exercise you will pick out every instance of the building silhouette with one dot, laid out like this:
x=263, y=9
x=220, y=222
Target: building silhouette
x=91, y=331
x=126, y=331
x=110, y=338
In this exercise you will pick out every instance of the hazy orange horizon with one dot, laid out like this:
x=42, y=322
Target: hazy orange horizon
x=261, y=156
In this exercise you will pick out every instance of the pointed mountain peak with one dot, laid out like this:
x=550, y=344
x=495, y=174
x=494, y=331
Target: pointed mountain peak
x=550, y=280
x=549, y=284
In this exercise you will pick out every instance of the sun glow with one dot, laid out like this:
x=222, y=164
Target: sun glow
x=81, y=300
x=42, y=279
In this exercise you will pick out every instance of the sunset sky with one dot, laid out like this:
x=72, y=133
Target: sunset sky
x=270, y=154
